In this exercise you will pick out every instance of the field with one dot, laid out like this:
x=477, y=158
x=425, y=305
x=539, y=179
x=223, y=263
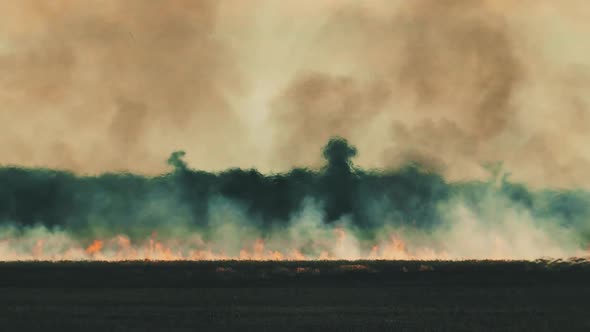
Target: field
x=295, y=296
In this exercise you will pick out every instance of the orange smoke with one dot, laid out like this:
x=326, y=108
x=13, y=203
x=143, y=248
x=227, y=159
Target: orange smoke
x=38, y=248
x=340, y=234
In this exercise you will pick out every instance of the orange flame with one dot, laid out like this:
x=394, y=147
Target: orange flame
x=343, y=246
x=95, y=247
x=121, y=248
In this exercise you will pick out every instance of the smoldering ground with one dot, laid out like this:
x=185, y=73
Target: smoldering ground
x=339, y=211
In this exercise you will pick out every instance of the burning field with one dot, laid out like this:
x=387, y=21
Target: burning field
x=470, y=119
x=337, y=212
x=338, y=248
x=192, y=165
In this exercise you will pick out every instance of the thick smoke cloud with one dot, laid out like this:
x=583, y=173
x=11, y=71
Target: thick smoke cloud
x=442, y=73
x=95, y=86
x=340, y=211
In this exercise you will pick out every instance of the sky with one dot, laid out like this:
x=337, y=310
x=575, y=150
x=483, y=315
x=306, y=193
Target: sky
x=99, y=86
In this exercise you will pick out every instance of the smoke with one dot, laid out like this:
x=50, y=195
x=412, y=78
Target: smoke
x=453, y=85
x=470, y=118
x=459, y=67
x=339, y=211
x=94, y=86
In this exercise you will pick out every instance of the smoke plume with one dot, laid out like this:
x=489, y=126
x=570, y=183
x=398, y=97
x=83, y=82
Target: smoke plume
x=339, y=211
x=469, y=119
x=454, y=85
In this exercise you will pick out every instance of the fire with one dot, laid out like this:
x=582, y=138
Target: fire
x=259, y=252
x=121, y=247
x=395, y=248
x=95, y=247
x=341, y=244
x=297, y=255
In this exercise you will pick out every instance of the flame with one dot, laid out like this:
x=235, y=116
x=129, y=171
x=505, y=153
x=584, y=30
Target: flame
x=259, y=252
x=95, y=247
x=344, y=246
x=297, y=255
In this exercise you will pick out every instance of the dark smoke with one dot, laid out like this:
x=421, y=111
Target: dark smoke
x=411, y=197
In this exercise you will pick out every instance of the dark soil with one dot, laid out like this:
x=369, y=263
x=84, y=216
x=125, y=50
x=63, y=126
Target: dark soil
x=295, y=296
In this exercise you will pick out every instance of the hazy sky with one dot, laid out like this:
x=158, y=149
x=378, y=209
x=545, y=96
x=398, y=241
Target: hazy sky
x=96, y=86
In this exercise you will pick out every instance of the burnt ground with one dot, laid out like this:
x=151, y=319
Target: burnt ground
x=295, y=296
